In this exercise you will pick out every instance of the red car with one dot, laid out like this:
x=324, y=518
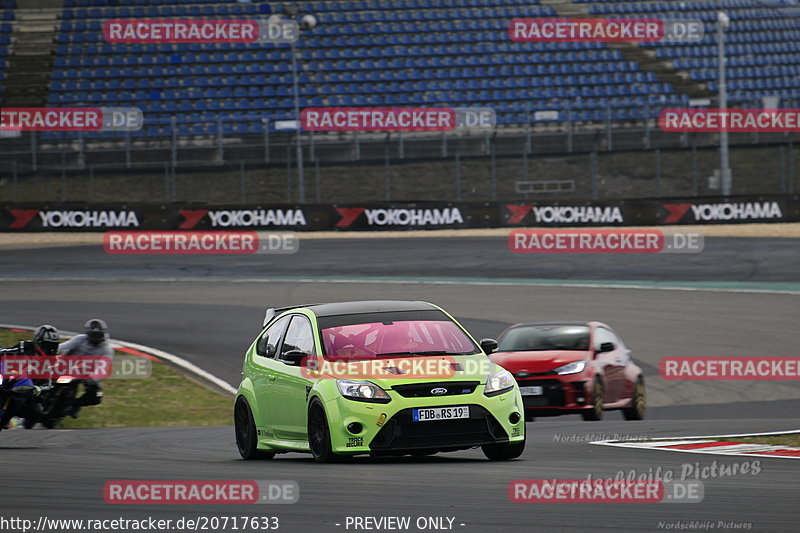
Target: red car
x=572, y=367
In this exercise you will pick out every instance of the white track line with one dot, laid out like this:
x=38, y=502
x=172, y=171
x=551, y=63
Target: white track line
x=160, y=354
x=660, y=443
x=487, y=283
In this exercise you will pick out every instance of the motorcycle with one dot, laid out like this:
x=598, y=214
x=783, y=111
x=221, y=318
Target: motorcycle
x=14, y=393
x=58, y=402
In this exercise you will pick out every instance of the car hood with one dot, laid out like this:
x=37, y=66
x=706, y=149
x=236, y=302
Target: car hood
x=538, y=361
x=416, y=369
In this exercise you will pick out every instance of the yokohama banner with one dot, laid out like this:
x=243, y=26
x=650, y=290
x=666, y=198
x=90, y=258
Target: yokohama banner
x=399, y=215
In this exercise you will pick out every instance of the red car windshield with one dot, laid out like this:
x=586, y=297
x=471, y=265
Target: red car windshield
x=401, y=338
x=545, y=338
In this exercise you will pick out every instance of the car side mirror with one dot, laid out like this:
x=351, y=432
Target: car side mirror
x=488, y=345
x=607, y=347
x=293, y=357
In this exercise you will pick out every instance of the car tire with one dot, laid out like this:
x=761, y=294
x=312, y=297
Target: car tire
x=638, y=406
x=595, y=413
x=319, y=434
x=245, y=428
x=503, y=452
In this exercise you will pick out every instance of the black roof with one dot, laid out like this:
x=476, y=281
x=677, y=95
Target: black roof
x=367, y=306
x=556, y=323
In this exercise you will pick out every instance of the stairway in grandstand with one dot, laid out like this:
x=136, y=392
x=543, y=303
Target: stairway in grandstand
x=647, y=60
x=30, y=52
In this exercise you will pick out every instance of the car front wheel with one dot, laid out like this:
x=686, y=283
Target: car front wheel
x=503, y=452
x=638, y=402
x=596, y=411
x=319, y=435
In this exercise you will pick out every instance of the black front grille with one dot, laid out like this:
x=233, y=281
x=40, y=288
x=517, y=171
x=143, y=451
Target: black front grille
x=553, y=393
x=424, y=390
x=525, y=375
x=402, y=433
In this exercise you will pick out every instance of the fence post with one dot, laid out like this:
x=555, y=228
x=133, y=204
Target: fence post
x=288, y=171
x=694, y=165
x=317, y=181
x=493, y=164
x=593, y=170
x=569, y=128
x=647, y=140
x=791, y=167
x=658, y=173
x=312, y=147
x=81, y=151
x=386, y=180
x=91, y=183
x=33, y=151
x=525, y=166
x=167, y=189
x=458, y=176
x=220, y=148
x=528, y=132
x=173, y=183
x=357, y=152
x=63, y=177
x=401, y=149
x=782, y=152
x=242, y=185
x=174, y=151
x=127, y=149
x=265, y=122
x=444, y=145
x=14, y=179
x=609, y=140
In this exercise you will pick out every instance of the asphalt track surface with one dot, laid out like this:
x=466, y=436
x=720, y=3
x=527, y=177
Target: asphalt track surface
x=207, y=309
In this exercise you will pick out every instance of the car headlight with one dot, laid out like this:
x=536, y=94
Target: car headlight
x=363, y=391
x=499, y=382
x=571, y=368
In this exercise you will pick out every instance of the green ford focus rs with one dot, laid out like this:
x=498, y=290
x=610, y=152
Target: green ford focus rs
x=373, y=377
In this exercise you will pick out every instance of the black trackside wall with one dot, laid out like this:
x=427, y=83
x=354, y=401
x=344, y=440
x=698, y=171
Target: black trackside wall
x=399, y=215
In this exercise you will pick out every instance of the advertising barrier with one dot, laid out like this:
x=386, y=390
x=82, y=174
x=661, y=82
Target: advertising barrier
x=398, y=215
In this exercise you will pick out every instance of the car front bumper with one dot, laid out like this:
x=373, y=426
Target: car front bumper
x=560, y=395
x=389, y=428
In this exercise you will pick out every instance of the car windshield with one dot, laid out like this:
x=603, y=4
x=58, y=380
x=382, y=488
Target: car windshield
x=396, y=338
x=545, y=337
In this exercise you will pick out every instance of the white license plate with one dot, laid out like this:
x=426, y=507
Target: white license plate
x=440, y=413
x=531, y=391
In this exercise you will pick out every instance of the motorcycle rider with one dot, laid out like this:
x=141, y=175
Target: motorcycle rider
x=44, y=343
x=94, y=341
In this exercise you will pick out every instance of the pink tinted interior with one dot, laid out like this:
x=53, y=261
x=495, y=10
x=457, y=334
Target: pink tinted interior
x=369, y=340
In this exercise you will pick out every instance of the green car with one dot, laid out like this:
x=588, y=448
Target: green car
x=373, y=377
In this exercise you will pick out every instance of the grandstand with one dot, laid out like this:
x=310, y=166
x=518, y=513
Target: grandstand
x=407, y=52
x=387, y=53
